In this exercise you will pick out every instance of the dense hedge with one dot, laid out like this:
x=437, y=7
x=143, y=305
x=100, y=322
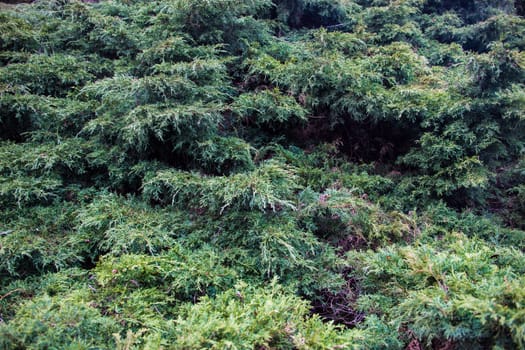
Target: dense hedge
x=256, y=174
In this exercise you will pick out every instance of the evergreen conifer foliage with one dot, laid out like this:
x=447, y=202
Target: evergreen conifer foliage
x=184, y=174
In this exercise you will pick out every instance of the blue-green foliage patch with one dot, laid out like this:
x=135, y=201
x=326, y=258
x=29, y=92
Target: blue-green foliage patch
x=255, y=174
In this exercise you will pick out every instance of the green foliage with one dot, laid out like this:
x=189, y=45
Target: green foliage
x=248, y=317
x=445, y=220
x=58, y=322
x=17, y=33
x=270, y=186
x=313, y=13
x=15, y=292
x=270, y=109
x=397, y=63
x=51, y=75
x=43, y=117
x=225, y=155
x=35, y=240
x=211, y=174
x=342, y=214
x=116, y=226
x=220, y=21
x=32, y=172
x=465, y=292
x=183, y=273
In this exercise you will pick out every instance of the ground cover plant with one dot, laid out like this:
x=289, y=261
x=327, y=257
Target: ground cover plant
x=258, y=174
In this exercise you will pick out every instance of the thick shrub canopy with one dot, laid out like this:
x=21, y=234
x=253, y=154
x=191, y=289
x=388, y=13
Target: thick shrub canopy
x=256, y=174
